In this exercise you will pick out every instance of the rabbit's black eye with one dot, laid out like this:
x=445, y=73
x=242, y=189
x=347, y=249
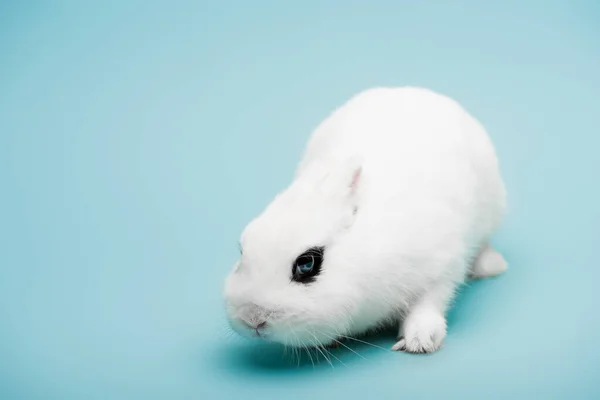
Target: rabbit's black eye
x=308, y=265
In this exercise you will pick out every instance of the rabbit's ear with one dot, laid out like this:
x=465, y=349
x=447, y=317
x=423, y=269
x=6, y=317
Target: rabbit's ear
x=355, y=180
x=343, y=179
x=338, y=179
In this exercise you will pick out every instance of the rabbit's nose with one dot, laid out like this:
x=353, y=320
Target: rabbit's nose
x=254, y=317
x=257, y=325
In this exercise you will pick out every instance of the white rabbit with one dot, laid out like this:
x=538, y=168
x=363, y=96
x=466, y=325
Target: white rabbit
x=390, y=210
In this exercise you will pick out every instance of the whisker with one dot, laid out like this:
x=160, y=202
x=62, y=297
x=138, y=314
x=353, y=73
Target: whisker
x=295, y=357
x=332, y=355
x=337, y=341
x=309, y=356
x=298, y=349
x=325, y=351
x=362, y=341
x=317, y=346
x=294, y=349
x=227, y=333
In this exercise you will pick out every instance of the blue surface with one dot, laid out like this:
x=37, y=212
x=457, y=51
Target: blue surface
x=136, y=140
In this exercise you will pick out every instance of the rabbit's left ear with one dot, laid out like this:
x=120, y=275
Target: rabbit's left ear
x=355, y=180
x=339, y=179
x=349, y=174
x=345, y=180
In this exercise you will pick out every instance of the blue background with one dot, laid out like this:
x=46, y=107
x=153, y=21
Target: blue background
x=138, y=138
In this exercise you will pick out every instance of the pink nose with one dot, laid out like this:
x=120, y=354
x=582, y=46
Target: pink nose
x=257, y=326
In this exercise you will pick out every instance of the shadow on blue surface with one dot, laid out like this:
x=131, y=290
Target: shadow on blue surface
x=259, y=357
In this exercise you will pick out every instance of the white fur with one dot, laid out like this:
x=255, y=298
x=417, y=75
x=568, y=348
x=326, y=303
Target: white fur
x=402, y=187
